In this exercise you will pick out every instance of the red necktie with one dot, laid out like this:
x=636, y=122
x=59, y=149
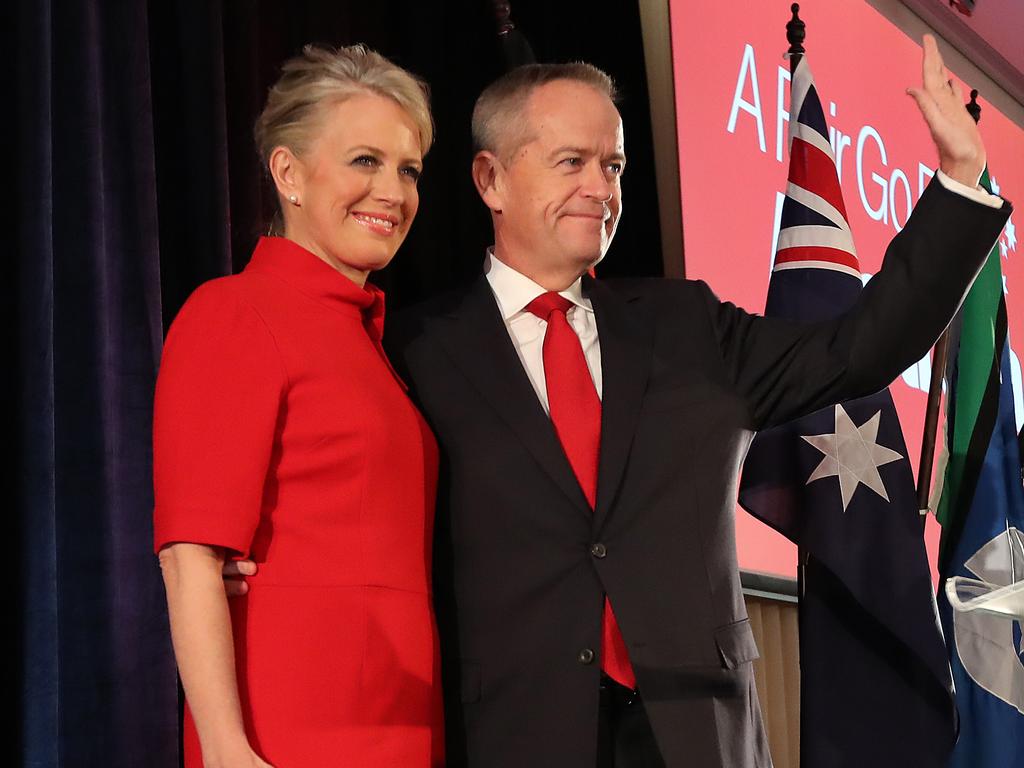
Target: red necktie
x=576, y=415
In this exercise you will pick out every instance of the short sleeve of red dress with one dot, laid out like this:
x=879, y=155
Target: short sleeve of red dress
x=218, y=396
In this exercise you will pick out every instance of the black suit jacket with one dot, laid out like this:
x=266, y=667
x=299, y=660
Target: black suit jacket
x=687, y=381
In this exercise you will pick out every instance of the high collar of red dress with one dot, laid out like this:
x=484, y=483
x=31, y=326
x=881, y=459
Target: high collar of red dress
x=307, y=272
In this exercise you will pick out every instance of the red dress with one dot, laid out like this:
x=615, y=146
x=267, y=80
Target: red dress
x=281, y=432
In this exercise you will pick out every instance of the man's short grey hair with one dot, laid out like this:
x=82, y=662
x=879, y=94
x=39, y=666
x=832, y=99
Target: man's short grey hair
x=498, y=124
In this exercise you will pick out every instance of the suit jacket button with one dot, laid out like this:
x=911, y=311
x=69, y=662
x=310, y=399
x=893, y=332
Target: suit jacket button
x=586, y=656
x=599, y=550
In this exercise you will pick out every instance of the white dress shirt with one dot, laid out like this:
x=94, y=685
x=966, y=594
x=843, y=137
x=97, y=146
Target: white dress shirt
x=513, y=291
x=977, y=194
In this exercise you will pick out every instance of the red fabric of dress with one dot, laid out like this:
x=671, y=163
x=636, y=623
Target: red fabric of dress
x=280, y=432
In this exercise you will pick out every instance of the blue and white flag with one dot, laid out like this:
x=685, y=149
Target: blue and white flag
x=982, y=513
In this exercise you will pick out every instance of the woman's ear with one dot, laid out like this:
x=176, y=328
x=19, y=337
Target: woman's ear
x=488, y=176
x=286, y=171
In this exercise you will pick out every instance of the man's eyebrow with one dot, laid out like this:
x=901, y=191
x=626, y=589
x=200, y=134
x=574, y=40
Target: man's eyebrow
x=572, y=150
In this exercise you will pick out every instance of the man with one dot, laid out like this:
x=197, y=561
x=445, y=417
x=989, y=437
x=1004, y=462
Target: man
x=586, y=583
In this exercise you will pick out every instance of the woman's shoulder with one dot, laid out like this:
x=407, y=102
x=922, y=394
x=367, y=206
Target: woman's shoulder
x=223, y=305
x=223, y=296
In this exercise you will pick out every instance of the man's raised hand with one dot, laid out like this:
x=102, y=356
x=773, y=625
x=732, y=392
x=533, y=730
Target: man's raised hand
x=956, y=136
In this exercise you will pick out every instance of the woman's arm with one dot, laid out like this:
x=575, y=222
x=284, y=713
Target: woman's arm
x=204, y=649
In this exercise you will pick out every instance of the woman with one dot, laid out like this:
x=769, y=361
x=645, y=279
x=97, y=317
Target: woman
x=281, y=433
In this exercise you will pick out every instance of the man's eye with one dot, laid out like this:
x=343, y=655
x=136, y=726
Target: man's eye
x=615, y=168
x=367, y=161
x=573, y=162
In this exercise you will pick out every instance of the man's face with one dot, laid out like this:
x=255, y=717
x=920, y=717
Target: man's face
x=559, y=194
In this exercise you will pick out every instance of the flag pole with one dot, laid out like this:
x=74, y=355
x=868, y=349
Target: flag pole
x=931, y=417
x=796, y=33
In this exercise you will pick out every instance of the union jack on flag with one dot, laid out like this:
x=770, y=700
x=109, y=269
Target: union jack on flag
x=814, y=231
x=838, y=483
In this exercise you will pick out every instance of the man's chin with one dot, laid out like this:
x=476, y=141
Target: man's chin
x=588, y=258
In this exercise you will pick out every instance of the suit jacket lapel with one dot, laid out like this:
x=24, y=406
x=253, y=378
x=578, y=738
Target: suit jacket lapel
x=475, y=337
x=625, y=364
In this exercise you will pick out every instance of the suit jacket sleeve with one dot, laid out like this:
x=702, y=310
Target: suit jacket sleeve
x=784, y=370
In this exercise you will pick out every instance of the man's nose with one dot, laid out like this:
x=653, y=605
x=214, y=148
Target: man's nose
x=596, y=184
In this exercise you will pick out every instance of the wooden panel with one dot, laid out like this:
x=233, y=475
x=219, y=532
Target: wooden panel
x=777, y=676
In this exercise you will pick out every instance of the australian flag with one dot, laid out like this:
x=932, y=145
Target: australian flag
x=875, y=685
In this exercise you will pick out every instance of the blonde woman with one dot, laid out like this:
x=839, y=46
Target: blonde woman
x=282, y=434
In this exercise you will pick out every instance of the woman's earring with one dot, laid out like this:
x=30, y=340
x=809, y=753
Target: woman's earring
x=293, y=199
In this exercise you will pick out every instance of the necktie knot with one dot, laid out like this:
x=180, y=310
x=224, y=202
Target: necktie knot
x=547, y=303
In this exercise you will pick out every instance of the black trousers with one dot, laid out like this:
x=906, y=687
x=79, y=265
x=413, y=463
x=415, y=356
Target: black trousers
x=624, y=735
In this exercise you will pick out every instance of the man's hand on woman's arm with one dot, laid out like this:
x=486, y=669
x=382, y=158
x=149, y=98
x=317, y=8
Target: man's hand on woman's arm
x=234, y=573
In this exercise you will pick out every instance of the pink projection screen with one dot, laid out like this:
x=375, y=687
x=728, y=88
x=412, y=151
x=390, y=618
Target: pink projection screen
x=732, y=93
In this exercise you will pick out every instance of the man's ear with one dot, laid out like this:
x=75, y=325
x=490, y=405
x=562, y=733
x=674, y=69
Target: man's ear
x=488, y=175
x=286, y=172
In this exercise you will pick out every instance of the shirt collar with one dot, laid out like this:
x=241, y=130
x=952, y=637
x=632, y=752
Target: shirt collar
x=513, y=290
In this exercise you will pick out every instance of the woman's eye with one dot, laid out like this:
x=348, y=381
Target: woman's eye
x=367, y=161
x=412, y=172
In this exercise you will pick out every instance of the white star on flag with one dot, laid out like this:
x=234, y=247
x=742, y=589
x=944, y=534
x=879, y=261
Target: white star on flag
x=852, y=455
x=1011, y=235
x=994, y=184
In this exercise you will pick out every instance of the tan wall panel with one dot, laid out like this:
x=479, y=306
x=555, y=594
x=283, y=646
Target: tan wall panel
x=777, y=675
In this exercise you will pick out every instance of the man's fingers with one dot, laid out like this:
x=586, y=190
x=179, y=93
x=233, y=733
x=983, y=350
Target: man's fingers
x=932, y=56
x=933, y=69
x=239, y=568
x=233, y=572
x=928, y=58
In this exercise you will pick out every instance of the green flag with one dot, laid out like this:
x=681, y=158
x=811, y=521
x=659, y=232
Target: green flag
x=975, y=392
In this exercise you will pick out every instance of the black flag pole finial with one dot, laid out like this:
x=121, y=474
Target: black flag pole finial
x=515, y=49
x=973, y=107
x=796, y=33
x=503, y=17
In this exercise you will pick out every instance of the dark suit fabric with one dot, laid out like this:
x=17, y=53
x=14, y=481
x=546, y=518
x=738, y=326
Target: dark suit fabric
x=687, y=381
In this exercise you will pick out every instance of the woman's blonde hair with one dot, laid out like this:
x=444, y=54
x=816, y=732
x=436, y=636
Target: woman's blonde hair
x=322, y=77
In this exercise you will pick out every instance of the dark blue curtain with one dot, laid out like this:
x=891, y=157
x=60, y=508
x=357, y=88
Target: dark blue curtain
x=131, y=166
x=95, y=682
